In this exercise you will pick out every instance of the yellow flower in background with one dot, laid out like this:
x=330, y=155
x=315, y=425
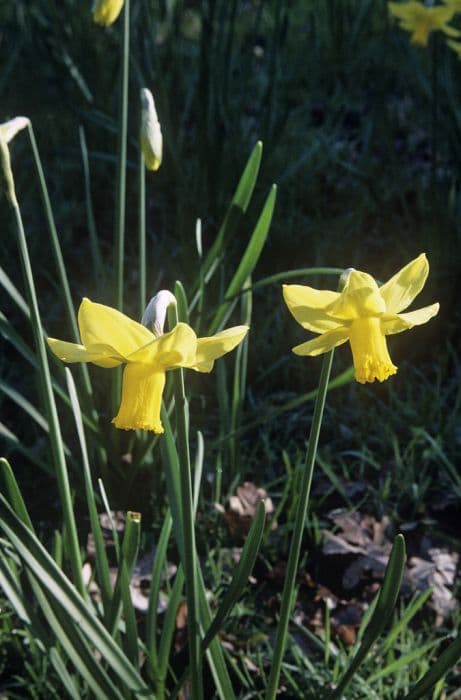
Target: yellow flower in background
x=362, y=314
x=420, y=20
x=106, y=11
x=109, y=338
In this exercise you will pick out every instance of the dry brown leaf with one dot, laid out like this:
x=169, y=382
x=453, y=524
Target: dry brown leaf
x=241, y=509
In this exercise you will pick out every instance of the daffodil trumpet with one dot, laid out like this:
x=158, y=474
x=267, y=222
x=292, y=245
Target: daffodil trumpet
x=363, y=314
x=109, y=338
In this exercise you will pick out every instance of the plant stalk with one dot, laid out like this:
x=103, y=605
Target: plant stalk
x=293, y=559
x=120, y=195
x=72, y=548
x=188, y=521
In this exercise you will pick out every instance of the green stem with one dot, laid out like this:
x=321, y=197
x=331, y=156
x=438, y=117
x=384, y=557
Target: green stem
x=120, y=195
x=293, y=559
x=187, y=506
x=57, y=252
x=72, y=548
x=142, y=235
x=435, y=107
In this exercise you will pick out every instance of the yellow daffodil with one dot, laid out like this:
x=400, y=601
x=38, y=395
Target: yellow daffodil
x=362, y=314
x=106, y=11
x=420, y=20
x=109, y=338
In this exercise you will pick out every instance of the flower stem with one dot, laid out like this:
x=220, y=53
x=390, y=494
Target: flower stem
x=142, y=234
x=293, y=559
x=187, y=506
x=120, y=198
x=120, y=195
x=72, y=545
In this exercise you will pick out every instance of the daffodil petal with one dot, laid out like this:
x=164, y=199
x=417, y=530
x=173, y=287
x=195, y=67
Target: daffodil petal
x=212, y=347
x=402, y=322
x=326, y=341
x=72, y=352
x=405, y=285
x=307, y=305
x=102, y=326
x=168, y=351
x=359, y=298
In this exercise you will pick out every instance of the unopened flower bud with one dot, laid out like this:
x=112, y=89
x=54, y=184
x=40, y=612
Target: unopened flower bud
x=106, y=11
x=6, y=174
x=9, y=129
x=155, y=313
x=151, y=134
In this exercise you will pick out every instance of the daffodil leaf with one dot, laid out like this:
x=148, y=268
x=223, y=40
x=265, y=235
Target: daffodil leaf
x=238, y=206
x=74, y=610
x=240, y=577
x=9, y=487
x=248, y=262
x=382, y=610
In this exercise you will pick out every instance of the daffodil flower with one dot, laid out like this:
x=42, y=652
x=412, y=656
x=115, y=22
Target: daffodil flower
x=420, y=20
x=362, y=314
x=109, y=338
x=106, y=11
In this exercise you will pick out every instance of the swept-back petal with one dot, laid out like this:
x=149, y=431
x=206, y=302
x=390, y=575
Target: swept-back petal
x=307, y=305
x=212, y=347
x=72, y=352
x=402, y=322
x=168, y=351
x=102, y=326
x=405, y=285
x=360, y=298
x=326, y=341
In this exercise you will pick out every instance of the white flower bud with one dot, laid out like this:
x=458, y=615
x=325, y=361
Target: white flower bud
x=9, y=129
x=151, y=134
x=155, y=312
x=6, y=174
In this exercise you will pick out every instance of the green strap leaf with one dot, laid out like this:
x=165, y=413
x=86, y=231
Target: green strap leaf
x=240, y=578
x=247, y=263
x=237, y=208
x=9, y=487
x=37, y=560
x=385, y=603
